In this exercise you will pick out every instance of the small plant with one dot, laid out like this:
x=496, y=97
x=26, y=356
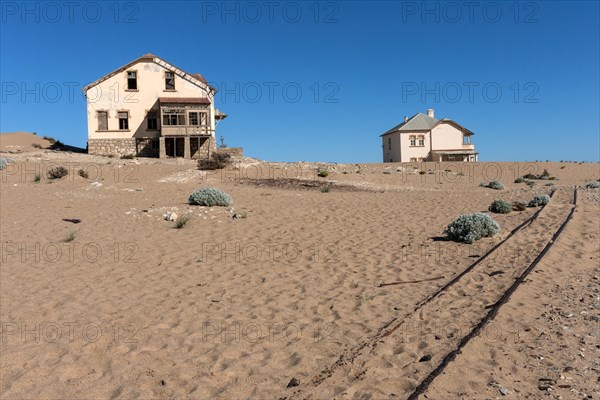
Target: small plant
x=540, y=200
x=83, y=173
x=593, y=185
x=323, y=173
x=3, y=163
x=71, y=236
x=182, y=221
x=471, y=227
x=520, y=180
x=37, y=178
x=562, y=167
x=326, y=189
x=36, y=146
x=530, y=183
x=549, y=184
x=216, y=161
x=209, y=196
x=127, y=157
x=50, y=139
x=493, y=185
x=422, y=172
x=500, y=206
x=57, y=172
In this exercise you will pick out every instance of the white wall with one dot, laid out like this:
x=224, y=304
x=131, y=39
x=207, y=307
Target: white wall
x=112, y=95
x=446, y=137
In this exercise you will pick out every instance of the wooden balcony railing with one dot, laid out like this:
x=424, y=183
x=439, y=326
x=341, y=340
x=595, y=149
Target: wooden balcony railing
x=185, y=130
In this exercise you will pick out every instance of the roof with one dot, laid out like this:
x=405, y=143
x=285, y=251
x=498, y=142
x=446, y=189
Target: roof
x=418, y=122
x=184, y=100
x=197, y=79
x=423, y=123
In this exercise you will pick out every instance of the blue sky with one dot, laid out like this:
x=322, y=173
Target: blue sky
x=320, y=81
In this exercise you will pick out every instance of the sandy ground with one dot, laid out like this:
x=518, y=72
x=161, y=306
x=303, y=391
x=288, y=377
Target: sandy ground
x=236, y=308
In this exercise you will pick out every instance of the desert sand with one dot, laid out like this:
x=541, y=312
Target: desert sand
x=280, y=295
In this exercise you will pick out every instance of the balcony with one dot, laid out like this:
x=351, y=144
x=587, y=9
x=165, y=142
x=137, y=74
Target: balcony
x=468, y=146
x=186, y=130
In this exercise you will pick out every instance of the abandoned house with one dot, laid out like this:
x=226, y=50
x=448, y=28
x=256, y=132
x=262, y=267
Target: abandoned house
x=425, y=138
x=151, y=108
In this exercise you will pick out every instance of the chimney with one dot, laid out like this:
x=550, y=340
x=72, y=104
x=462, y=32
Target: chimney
x=430, y=112
x=405, y=118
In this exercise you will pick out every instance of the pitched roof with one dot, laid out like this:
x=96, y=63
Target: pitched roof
x=423, y=123
x=197, y=79
x=183, y=100
x=418, y=122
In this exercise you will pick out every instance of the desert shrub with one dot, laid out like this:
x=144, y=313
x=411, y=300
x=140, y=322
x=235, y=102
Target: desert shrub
x=520, y=180
x=326, y=189
x=500, y=206
x=422, y=172
x=36, y=146
x=593, y=185
x=182, y=221
x=216, y=161
x=540, y=200
x=71, y=236
x=549, y=184
x=83, y=173
x=57, y=172
x=530, y=183
x=3, y=163
x=492, y=185
x=323, y=173
x=471, y=227
x=209, y=196
x=127, y=157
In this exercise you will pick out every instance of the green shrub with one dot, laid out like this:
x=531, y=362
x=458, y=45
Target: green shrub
x=37, y=178
x=540, y=200
x=471, y=227
x=71, y=236
x=3, y=163
x=520, y=180
x=57, y=172
x=83, y=173
x=591, y=185
x=530, y=183
x=422, y=172
x=492, y=185
x=209, y=196
x=182, y=221
x=323, y=173
x=216, y=161
x=500, y=206
x=326, y=189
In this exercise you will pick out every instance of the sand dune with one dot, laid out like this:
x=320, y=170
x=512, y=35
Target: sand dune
x=236, y=307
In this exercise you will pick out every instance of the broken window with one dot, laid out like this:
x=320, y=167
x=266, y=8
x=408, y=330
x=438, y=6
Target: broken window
x=123, y=120
x=132, y=80
x=152, y=120
x=102, y=120
x=193, y=116
x=169, y=80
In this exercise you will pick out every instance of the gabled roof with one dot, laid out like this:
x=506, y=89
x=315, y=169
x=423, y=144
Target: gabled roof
x=183, y=100
x=416, y=123
x=423, y=123
x=197, y=79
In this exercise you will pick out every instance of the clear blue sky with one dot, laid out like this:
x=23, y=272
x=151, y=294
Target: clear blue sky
x=360, y=67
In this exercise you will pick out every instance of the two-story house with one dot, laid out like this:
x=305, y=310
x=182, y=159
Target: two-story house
x=151, y=108
x=425, y=138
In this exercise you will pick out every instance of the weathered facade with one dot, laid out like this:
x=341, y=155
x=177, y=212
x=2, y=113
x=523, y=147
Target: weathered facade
x=151, y=108
x=425, y=138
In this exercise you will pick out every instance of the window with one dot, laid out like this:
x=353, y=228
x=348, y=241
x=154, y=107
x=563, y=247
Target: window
x=421, y=140
x=152, y=121
x=413, y=141
x=123, y=120
x=174, y=117
x=132, y=80
x=389, y=143
x=198, y=118
x=169, y=80
x=102, y=120
x=413, y=159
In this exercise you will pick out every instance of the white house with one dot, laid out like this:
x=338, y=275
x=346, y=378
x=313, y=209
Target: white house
x=425, y=138
x=151, y=108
